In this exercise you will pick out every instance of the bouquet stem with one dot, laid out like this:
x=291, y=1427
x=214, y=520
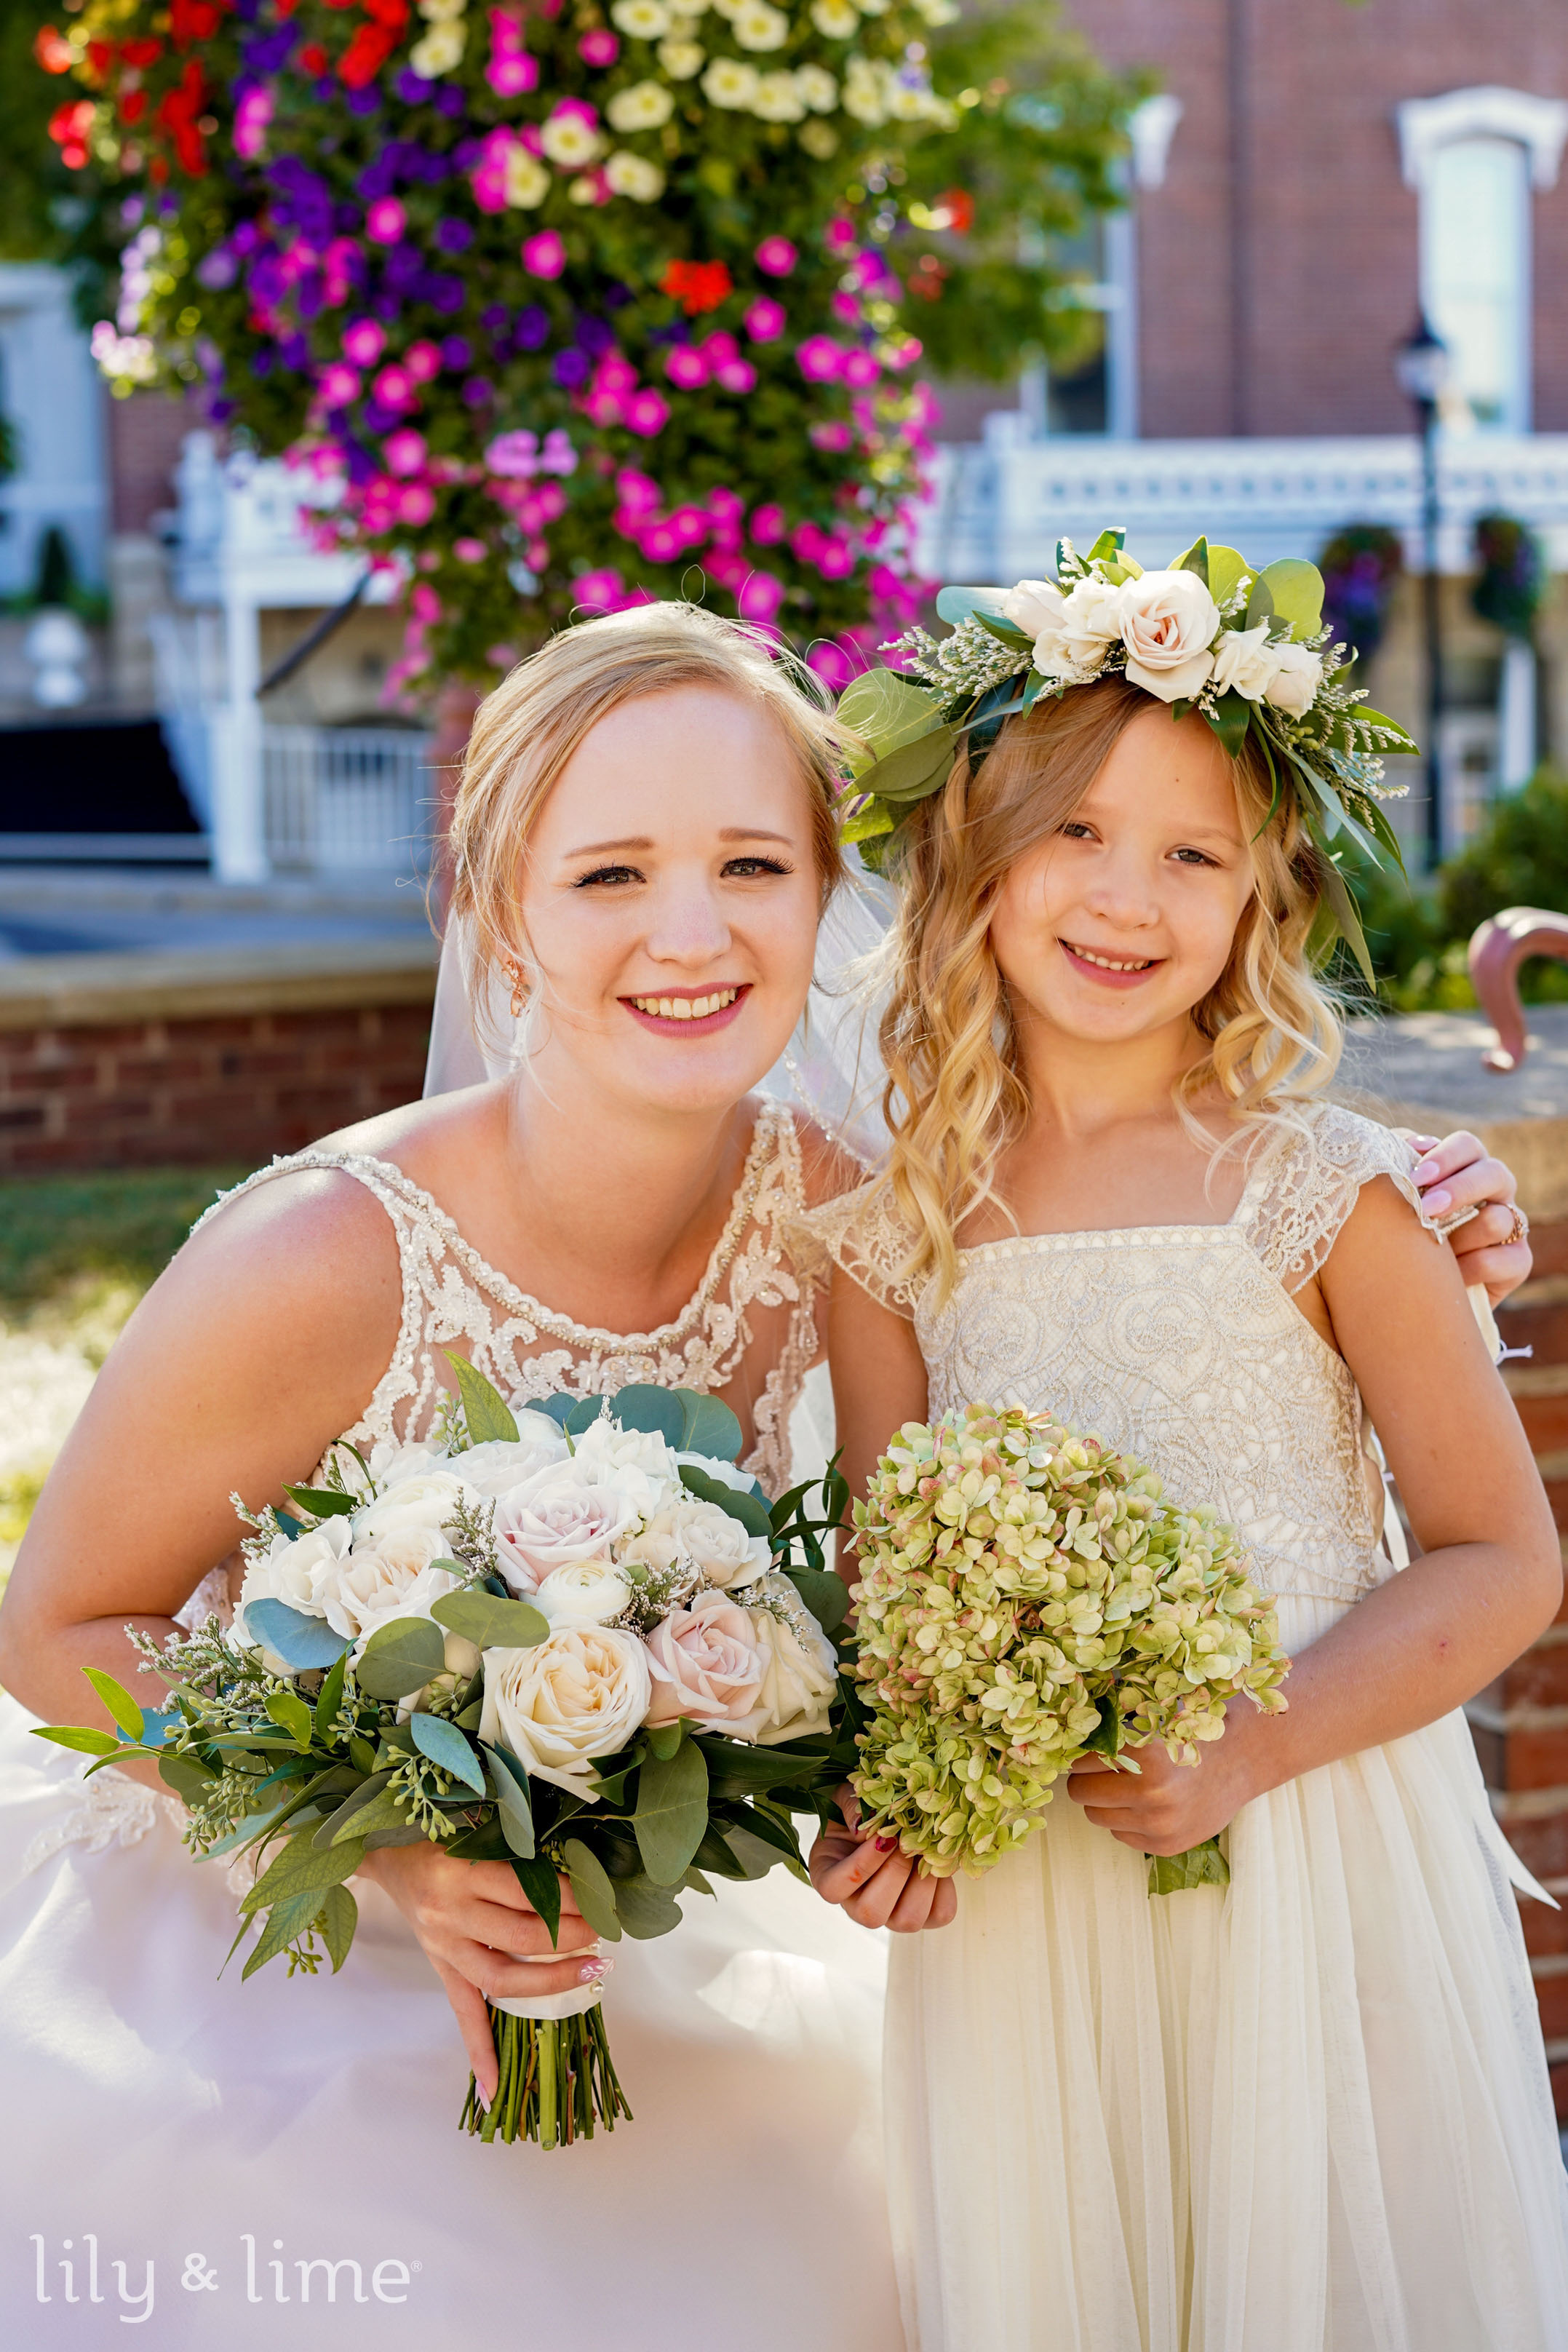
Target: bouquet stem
x=557, y=2078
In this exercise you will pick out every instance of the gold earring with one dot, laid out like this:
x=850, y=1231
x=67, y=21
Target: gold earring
x=519, y=992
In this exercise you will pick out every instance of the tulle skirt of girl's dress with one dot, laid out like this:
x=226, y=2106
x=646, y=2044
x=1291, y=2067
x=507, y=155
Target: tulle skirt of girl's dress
x=155, y=2115
x=1306, y=2113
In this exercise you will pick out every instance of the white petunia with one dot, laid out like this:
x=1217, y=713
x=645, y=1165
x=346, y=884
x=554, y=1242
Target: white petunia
x=865, y=91
x=681, y=59
x=644, y=20
x=729, y=83
x=634, y=177
x=819, y=139
x=643, y=106
x=569, y=141
x=818, y=88
x=836, y=20
x=758, y=26
x=524, y=180
x=777, y=99
x=440, y=51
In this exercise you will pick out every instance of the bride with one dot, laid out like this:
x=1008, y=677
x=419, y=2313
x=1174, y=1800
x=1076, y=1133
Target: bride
x=643, y=844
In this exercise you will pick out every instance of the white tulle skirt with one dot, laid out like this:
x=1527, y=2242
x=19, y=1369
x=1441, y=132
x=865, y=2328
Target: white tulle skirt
x=1306, y=2113
x=155, y=2115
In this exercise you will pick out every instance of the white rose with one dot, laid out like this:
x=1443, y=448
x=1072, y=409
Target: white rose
x=1168, y=623
x=1245, y=661
x=1295, y=685
x=638, y=1461
x=718, y=1544
x=557, y=1516
x=798, y=1678
x=583, y=1592
x=427, y=1500
x=657, y=1547
x=392, y=1578
x=388, y=1463
x=1034, y=605
x=499, y=1465
x=1092, y=615
x=301, y=1570
x=578, y=1695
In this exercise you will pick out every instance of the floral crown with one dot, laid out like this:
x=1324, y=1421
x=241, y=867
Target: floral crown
x=1246, y=649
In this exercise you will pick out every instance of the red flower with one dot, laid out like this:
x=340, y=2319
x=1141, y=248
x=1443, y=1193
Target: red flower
x=959, y=206
x=132, y=106
x=697, y=286
x=53, y=51
x=139, y=53
x=101, y=56
x=365, y=56
x=313, y=58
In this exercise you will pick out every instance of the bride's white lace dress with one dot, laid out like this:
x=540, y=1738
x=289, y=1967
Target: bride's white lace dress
x=164, y=2115
x=1308, y=2113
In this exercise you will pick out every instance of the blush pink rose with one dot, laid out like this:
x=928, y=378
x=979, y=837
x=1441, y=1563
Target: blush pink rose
x=551, y=1520
x=706, y=1662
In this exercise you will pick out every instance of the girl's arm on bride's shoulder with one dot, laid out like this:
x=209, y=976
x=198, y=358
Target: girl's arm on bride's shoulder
x=1487, y=1581
x=262, y=1341
x=878, y=1380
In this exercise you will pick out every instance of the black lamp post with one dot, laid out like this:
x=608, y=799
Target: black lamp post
x=1421, y=364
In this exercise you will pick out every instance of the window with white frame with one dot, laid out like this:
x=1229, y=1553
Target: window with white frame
x=1474, y=155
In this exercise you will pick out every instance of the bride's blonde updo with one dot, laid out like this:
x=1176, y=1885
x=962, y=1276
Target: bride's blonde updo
x=526, y=731
x=956, y=1094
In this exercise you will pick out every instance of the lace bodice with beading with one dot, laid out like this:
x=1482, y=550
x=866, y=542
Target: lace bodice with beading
x=1180, y=1344
x=750, y=1327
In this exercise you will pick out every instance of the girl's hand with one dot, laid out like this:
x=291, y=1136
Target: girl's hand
x=876, y=1884
x=1458, y=1173
x=483, y=1937
x=1166, y=1808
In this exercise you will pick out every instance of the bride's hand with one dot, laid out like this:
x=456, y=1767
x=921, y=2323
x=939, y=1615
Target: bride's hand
x=483, y=1938
x=1458, y=1173
x=876, y=1884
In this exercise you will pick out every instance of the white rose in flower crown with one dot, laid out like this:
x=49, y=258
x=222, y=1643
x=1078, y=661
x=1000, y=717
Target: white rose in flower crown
x=1034, y=607
x=1168, y=623
x=583, y=1592
x=578, y=1695
x=707, y=1662
x=1245, y=662
x=428, y=1499
x=1295, y=685
x=717, y=1544
x=555, y=1517
x=798, y=1678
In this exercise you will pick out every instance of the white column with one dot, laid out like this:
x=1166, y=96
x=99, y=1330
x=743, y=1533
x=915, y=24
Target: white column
x=1515, y=718
x=239, y=826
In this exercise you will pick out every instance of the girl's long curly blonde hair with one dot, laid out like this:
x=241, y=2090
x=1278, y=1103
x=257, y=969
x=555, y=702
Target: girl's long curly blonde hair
x=956, y=1093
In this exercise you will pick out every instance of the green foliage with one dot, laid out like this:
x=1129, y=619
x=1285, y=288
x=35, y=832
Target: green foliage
x=1514, y=575
x=62, y=1234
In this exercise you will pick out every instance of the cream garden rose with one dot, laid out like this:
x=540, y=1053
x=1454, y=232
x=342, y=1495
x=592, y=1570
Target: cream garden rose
x=578, y=1694
x=1297, y=678
x=428, y=1499
x=707, y=1662
x=717, y=1543
x=798, y=1677
x=583, y=1592
x=396, y=1577
x=1168, y=620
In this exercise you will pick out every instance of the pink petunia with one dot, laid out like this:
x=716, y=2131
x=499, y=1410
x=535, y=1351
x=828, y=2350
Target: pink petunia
x=766, y=321
x=513, y=73
x=737, y=375
x=638, y=492
x=767, y=526
x=833, y=665
x=599, y=591
x=648, y=413
x=685, y=367
x=544, y=255
x=424, y=603
x=761, y=596
x=776, y=256
x=404, y=451
x=726, y=505
x=394, y=387
x=833, y=435
x=385, y=221
x=365, y=340
x=469, y=551
x=598, y=48
x=727, y=568
x=820, y=359
x=860, y=369
x=423, y=362
x=835, y=559
x=806, y=541
x=690, y=524
x=839, y=237
x=415, y=503
x=605, y=408
x=338, y=383
x=659, y=544
x=514, y=455
x=616, y=373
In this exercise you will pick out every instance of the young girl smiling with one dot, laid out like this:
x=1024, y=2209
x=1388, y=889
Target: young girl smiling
x=1307, y=2110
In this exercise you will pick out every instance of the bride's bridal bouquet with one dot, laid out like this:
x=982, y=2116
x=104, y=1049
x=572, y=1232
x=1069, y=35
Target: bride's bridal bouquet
x=575, y=1639
x=1028, y=1597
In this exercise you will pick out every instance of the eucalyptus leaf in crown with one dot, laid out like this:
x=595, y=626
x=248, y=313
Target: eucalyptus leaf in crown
x=1245, y=647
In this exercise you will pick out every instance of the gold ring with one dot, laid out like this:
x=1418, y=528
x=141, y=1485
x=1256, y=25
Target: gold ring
x=1519, y=1229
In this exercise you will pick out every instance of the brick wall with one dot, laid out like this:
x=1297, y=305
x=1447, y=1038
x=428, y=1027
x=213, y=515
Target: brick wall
x=187, y=1072
x=1521, y=1724
x=1327, y=254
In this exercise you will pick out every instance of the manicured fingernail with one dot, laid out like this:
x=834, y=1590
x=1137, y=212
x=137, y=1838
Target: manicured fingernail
x=1439, y=1199
x=591, y=1972
x=886, y=1844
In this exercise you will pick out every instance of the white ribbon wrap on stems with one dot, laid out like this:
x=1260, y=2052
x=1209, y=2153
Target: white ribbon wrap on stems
x=550, y=2008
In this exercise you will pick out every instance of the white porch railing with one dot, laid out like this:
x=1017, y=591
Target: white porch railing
x=348, y=800
x=1000, y=505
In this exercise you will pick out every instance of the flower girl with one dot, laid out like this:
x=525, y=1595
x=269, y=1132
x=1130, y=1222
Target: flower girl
x=1308, y=2111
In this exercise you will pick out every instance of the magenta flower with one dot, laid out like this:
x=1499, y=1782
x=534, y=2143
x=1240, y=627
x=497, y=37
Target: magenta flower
x=839, y=237
x=544, y=256
x=385, y=221
x=394, y=387
x=726, y=567
x=364, y=342
x=661, y=544
x=846, y=308
x=766, y=321
x=404, y=450
x=559, y=456
x=415, y=503
x=776, y=256
x=767, y=526
x=253, y=112
x=469, y=551
x=424, y=603
x=598, y=48
x=690, y=525
x=514, y=455
x=832, y=434
x=616, y=373
x=338, y=383
x=860, y=369
x=639, y=493
x=725, y=505
x=820, y=359
x=580, y=108
x=423, y=362
x=761, y=593
x=835, y=559
x=807, y=541
x=605, y=408
x=720, y=348
x=833, y=664
x=647, y=412
x=685, y=366
x=737, y=375
x=513, y=73
x=598, y=591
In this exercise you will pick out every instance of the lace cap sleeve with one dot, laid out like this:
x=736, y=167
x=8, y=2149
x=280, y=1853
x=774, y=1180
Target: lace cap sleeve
x=1306, y=1183
x=863, y=1231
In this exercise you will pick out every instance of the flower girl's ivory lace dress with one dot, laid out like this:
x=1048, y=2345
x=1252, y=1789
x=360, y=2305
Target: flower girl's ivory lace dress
x=1306, y=2113
x=163, y=2113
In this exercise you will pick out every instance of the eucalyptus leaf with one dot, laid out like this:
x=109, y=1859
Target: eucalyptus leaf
x=1232, y=718
x=486, y=1412
x=646, y=1910
x=709, y=1427
x=556, y=1407
x=401, y=1657
x=1227, y=568
x=592, y=1887
x=888, y=711
x=118, y=1700
x=302, y=1867
x=750, y=1509
x=189, y=1778
x=489, y=1623
x=585, y=1412
x=1195, y=559
x=303, y=1643
x=289, y=1919
x=289, y=1710
x=664, y=1738
x=955, y=605
x=382, y=1813
x=323, y=1502
x=1005, y=633
x=340, y=1917
x=1260, y=603
x=509, y=1779
x=540, y=1882
x=1296, y=589
x=330, y=1698
x=672, y=1812
x=866, y=825
x=755, y=1858
x=444, y=1744
x=80, y=1735
x=914, y=771
x=1336, y=890
x=1106, y=548
x=655, y=1412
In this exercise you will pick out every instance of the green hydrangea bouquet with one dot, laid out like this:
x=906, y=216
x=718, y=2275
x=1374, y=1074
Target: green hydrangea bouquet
x=1028, y=1597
